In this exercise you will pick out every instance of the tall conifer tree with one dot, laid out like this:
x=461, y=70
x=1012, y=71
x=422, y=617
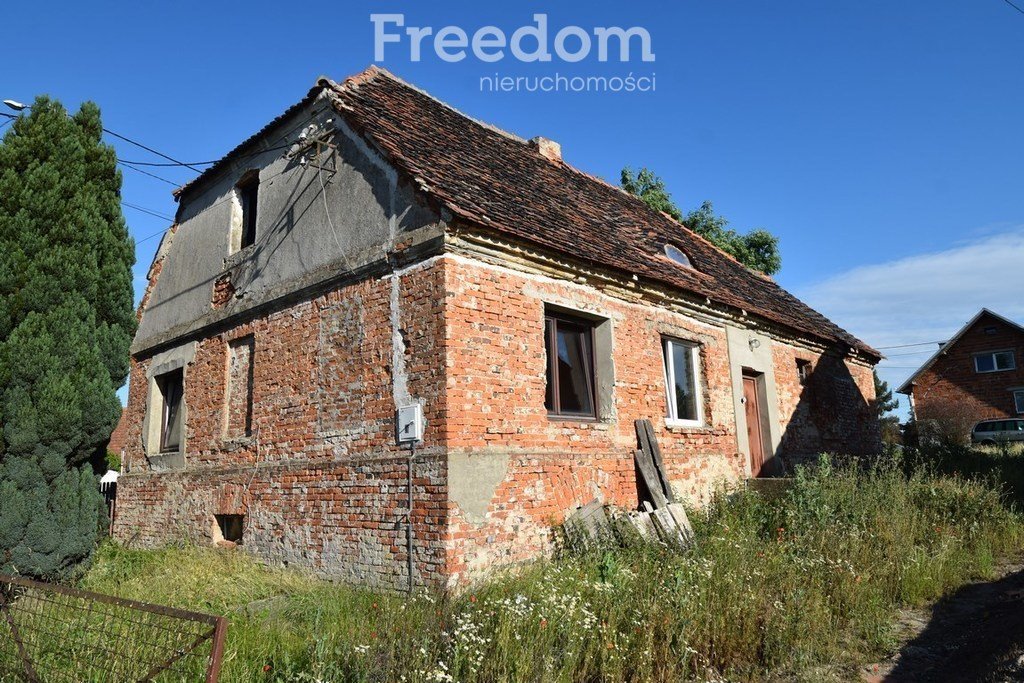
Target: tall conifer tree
x=66, y=322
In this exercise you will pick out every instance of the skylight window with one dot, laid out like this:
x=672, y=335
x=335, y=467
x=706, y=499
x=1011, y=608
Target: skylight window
x=678, y=256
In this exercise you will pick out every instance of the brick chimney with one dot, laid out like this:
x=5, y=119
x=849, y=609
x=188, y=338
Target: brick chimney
x=549, y=149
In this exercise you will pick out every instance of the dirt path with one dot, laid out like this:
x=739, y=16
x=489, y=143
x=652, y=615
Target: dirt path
x=974, y=634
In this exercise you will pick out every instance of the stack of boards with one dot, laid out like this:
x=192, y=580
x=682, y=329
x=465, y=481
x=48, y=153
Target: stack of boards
x=660, y=516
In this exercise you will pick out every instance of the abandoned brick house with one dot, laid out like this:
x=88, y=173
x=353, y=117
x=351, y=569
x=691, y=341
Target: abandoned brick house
x=373, y=249
x=976, y=375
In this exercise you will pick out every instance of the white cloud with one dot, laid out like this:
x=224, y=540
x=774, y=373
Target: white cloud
x=924, y=298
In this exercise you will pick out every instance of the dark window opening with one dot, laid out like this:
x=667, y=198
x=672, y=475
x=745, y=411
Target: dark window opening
x=803, y=370
x=991, y=329
x=231, y=527
x=248, y=192
x=995, y=361
x=171, y=386
x=570, y=367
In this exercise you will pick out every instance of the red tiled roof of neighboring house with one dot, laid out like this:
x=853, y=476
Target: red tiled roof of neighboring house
x=499, y=181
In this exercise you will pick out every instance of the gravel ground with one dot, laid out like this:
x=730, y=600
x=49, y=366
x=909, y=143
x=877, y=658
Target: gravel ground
x=974, y=634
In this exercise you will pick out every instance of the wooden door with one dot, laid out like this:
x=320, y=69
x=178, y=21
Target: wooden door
x=755, y=439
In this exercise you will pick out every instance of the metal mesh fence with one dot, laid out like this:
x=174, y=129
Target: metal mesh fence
x=55, y=633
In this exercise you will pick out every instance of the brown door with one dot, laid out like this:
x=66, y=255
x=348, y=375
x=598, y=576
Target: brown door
x=754, y=438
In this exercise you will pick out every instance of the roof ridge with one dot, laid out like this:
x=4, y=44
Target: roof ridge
x=373, y=71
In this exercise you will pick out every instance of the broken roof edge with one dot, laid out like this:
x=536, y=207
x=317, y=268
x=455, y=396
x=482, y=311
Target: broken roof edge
x=322, y=83
x=373, y=71
x=907, y=387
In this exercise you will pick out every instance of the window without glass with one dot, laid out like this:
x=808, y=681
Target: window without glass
x=803, y=370
x=231, y=527
x=682, y=361
x=569, y=343
x=171, y=386
x=248, y=191
x=995, y=361
x=1018, y=401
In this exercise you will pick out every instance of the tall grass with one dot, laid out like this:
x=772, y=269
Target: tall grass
x=800, y=584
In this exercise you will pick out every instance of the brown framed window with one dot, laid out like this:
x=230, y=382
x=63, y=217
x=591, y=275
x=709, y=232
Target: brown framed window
x=248, y=193
x=570, y=366
x=171, y=386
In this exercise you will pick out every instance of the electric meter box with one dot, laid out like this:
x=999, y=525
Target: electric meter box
x=409, y=424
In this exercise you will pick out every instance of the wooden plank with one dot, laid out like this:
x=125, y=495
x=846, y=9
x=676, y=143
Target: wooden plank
x=682, y=521
x=655, y=452
x=642, y=438
x=667, y=527
x=650, y=477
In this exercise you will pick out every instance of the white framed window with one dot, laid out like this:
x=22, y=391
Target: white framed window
x=682, y=383
x=1018, y=400
x=994, y=361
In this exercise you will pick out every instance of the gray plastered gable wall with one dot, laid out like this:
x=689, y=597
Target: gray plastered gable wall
x=298, y=243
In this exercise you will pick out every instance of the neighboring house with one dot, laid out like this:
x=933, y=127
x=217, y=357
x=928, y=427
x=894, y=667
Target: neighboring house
x=976, y=375
x=118, y=436
x=373, y=249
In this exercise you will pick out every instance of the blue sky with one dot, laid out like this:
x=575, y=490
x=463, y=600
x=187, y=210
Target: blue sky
x=882, y=141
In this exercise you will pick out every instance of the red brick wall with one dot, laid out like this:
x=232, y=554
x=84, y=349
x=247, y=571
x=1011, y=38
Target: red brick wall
x=120, y=433
x=496, y=410
x=952, y=386
x=831, y=412
x=320, y=481
x=322, y=484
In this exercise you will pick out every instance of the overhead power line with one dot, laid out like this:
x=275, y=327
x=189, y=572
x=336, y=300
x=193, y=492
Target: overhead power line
x=151, y=212
x=131, y=165
x=149, y=237
x=151, y=175
x=907, y=346
x=1016, y=7
x=168, y=163
x=151, y=150
x=911, y=353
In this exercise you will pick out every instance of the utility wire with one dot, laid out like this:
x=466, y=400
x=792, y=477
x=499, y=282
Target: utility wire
x=907, y=346
x=1014, y=6
x=11, y=117
x=912, y=353
x=206, y=163
x=151, y=150
x=168, y=163
x=151, y=175
x=149, y=237
x=151, y=212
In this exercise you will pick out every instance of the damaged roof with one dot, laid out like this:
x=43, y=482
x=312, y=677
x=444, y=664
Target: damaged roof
x=502, y=182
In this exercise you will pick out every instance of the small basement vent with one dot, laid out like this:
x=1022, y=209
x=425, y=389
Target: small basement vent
x=231, y=527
